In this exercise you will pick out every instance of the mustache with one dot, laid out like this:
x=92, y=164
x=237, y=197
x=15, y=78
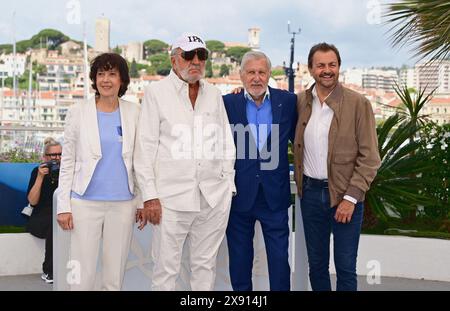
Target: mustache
x=327, y=74
x=194, y=66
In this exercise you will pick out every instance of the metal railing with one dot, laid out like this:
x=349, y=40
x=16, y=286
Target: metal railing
x=29, y=139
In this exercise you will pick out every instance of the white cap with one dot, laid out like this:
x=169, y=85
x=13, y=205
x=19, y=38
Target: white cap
x=188, y=42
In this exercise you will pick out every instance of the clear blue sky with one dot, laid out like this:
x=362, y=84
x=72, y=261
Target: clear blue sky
x=352, y=25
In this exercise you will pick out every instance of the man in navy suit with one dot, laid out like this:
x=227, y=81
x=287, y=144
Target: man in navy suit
x=263, y=120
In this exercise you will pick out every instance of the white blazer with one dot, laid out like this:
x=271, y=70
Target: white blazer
x=183, y=152
x=81, y=150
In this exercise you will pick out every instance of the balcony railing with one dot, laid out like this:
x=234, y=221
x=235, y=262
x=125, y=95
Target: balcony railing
x=30, y=139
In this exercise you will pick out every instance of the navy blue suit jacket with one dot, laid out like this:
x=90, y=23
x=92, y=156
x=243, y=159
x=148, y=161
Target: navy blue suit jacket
x=249, y=175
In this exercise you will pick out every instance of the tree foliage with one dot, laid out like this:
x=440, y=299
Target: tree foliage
x=161, y=63
x=208, y=69
x=435, y=140
x=134, y=73
x=154, y=46
x=50, y=38
x=117, y=50
x=278, y=72
x=224, y=70
x=215, y=46
x=236, y=53
x=19, y=155
x=407, y=180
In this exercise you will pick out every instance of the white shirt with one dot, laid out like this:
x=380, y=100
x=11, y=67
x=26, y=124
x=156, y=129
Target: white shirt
x=181, y=151
x=316, y=141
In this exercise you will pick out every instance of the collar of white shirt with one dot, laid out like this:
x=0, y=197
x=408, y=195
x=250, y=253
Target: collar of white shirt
x=249, y=97
x=180, y=84
x=315, y=96
x=314, y=93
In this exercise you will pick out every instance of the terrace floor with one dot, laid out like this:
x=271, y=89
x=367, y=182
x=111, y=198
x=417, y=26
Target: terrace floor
x=34, y=283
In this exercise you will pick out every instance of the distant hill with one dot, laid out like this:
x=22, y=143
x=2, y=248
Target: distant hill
x=53, y=37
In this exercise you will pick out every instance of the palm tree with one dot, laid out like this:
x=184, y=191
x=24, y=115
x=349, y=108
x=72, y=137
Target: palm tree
x=410, y=113
x=399, y=186
x=397, y=190
x=423, y=25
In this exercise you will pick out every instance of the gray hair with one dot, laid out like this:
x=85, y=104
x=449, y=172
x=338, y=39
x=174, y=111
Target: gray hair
x=174, y=51
x=255, y=55
x=50, y=142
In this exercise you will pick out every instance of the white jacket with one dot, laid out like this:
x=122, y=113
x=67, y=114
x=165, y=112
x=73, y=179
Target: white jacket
x=182, y=152
x=82, y=151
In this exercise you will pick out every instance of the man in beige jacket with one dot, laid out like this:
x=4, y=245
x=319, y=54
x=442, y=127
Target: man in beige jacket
x=336, y=159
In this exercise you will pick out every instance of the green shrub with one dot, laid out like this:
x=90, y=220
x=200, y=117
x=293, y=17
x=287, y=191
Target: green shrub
x=20, y=156
x=11, y=229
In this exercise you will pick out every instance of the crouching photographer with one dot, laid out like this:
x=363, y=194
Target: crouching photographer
x=43, y=182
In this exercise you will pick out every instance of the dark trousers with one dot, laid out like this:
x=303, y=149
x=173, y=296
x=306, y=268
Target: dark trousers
x=319, y=223
x=47, y=266
x=240, y=232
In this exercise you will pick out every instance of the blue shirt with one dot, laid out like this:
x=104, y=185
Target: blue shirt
x=110, y=179
x=259, y=118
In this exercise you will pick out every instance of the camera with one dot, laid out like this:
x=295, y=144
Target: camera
x=53, y=168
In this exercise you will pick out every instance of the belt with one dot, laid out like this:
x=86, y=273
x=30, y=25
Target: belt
x=321, y=183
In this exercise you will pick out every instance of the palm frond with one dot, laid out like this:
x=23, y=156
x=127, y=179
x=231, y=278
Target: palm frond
x=422, y=25
x=399, y=185
x=385, y=128
x=412, y=104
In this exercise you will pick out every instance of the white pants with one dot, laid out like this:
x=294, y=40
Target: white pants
x=205, y=231
x=94, y=220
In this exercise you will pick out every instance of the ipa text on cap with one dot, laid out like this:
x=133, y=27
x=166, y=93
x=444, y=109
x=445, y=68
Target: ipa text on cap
x=188, y=42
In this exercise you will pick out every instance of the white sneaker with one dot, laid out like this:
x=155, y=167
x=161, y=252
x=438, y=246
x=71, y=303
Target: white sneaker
x=44, y=276
x=48, y=279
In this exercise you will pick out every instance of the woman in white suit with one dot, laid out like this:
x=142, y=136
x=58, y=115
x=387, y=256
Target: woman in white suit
x=97, y=197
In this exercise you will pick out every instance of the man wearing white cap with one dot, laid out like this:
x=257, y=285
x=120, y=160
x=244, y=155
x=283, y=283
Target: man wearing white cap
x=184, y=163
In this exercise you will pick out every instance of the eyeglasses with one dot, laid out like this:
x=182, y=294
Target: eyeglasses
x=202, y=54
x=53, y=155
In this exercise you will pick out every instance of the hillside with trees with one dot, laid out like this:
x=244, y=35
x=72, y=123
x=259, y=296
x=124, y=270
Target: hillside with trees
x=49, y=38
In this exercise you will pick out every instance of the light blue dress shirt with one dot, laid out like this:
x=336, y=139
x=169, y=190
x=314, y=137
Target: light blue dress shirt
x=259, y=118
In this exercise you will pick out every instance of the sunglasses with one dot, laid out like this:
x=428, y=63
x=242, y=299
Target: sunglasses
x=202, y=54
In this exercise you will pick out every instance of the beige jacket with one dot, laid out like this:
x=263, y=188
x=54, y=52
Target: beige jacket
x=82, y=150
x=353, y=157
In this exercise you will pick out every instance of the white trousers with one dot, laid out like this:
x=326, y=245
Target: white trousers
x=94, y=221
x=204, y=232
